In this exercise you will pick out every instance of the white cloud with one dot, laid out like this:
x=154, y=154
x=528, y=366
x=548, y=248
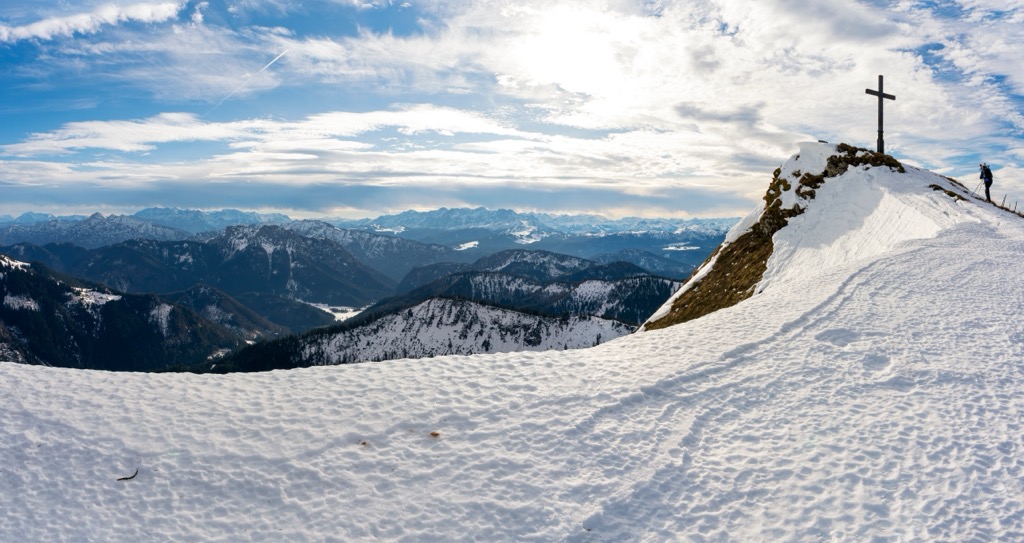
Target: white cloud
x=197, y=13
x=91, y=22
x=193, y=62
x=638, y=95
x=146, y=134
x=440, y=149
x=125, y=136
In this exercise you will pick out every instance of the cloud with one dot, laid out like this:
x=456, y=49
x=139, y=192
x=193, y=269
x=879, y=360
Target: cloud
x=197, y=13
x=146, y=134
x=640, y=96
x=124, y=136
x=748, y=115
x=91, y=22
x=361, y=198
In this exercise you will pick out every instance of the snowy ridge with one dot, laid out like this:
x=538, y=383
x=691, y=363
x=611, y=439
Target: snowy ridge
x=532, y=227
x=45, y=320
x=195, y=221
x=840, y=209
x=11, y=264
x=545, y=263
x=618, y=295
x=868, y=213
x=440, y=327
x=876, y=398
x=91, y=298
x=94, y=231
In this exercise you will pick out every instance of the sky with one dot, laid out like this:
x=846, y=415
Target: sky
x=341, y=108
x=863, y=394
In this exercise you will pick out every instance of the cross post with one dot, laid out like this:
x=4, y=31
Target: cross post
x=881, y=97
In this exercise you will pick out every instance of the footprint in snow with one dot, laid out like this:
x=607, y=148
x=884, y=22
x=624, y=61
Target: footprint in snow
x=876, y=362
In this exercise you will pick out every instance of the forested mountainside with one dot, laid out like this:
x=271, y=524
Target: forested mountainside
x=56, y=321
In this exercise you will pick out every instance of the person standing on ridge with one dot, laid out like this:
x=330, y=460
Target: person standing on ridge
x=986, y=176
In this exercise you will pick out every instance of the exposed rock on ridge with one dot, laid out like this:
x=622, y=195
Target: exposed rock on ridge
x=731, y=274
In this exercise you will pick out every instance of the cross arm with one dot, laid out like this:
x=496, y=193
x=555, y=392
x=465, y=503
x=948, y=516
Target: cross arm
x=880, y=95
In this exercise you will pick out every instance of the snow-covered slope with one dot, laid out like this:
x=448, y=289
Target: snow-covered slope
x=844, y=204
x=871, y=390
x=440, y=327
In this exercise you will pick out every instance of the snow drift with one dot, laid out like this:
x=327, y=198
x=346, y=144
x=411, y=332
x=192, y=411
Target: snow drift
x=869, y=388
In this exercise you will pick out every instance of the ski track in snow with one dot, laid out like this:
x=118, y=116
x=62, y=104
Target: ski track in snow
x=877, y=399
x=880, y=411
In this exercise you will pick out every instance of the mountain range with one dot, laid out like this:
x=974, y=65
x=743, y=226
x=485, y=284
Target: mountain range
x=94, y=231
x=257, y=282
x=521, y=224
x=267, y=269
x=685, y=241
x=393, y=256
x=510, y=301
x=540, y=281
x=455, y=235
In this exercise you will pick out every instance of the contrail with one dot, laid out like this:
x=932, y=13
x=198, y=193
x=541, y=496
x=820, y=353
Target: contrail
x=238, y=88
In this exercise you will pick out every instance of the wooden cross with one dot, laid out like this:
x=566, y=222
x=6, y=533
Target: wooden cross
x=881, y=96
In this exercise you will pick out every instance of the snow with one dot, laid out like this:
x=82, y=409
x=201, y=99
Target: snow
x=680, y=247
x=744, y=225
x=340, y=313
x=468, y=245
x=858, y=215
x=92, y=298
x=526, y=234
x=20, y=302
x=161, y=317
x=871, y=391
x=268, y=248
x=10, y=263
x=238, y=244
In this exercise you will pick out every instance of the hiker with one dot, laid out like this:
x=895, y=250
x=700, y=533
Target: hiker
x=986, y=176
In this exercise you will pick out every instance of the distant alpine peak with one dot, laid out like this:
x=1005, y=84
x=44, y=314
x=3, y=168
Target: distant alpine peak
x=316, y=229
x=526, y=228
x=196, y=221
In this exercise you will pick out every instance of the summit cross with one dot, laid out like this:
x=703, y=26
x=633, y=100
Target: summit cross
x=881, y=97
